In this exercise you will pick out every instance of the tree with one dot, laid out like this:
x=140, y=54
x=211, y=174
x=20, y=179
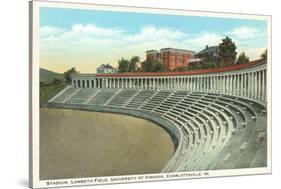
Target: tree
x=56, y=81
x=133, y=63
x=202, y=65
x=227, y=52
x=264, y=55
x=209, y=64
x=123, y=65
x=146, y=66
x=67, y=74
x=152, y=66
x=242, y=58
x=158, y=66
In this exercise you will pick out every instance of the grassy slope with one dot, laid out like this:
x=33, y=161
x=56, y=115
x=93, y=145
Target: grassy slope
x=48, y=76
x=48, y=91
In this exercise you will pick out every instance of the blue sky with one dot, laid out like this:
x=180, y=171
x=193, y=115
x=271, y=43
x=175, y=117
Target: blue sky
x=133, y=22
x=92, y=34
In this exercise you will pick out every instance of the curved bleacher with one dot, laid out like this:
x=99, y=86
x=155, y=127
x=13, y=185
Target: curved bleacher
x=213, y=131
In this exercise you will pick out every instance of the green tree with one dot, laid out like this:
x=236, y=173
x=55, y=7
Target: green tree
x=193, y=66
x=227, y=52
x=208, y=65
x=123, y=65
x=180, y=69
x=67, y=74
x=242, y=58
x=133, y=63
x=146, y=66
x=56, y=81
x=155, y=66
x=264, y=55
x=158, y=66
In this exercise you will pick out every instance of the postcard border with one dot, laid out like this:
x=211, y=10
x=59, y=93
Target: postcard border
x=34, y=7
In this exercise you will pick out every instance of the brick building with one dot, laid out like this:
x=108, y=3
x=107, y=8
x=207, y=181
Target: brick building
x=172, y=58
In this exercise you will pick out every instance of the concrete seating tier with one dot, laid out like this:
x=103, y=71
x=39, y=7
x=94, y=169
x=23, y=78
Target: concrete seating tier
x=67, y=93
x=102, y=97
x=218, y=131
x=81, y=96
x=122, y=97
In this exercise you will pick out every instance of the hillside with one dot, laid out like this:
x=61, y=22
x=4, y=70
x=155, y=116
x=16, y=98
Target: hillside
x=48, y=76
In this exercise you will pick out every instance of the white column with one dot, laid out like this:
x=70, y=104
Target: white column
x=234, y=86
x=245, y=85
x=241, y=83
x=200, y=83
x=188, y=83
x=203, y=84
x=214, y=82
x=90, y=84
x=251, y=85
x=259, y=85
x=197, y=83
x=223, y=84
x=194, y=83
x=262, y=85
x=228, y=84
x=211, y=88
x=218, y=83
x=238, y=84
x=169, y=83
x=256, y=85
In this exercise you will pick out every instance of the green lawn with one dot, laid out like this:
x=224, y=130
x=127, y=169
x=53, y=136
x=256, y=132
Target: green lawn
x=48, y=91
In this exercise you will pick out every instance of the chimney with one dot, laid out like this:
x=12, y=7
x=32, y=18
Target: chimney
x=207, y=46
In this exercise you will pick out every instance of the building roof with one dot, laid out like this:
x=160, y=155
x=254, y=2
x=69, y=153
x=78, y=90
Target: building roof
x=105, y=66
x=170, y=49
x=151, y=51
x=175, y=49
x=208, y=50
x=192, y=72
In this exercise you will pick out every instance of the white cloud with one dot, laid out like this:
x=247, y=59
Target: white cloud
x=253, y=53
x=110, y=44
x=245, y=32
x=48, y=31
x=201, y=40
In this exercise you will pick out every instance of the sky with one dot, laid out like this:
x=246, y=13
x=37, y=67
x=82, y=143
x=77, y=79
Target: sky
x=86, y=39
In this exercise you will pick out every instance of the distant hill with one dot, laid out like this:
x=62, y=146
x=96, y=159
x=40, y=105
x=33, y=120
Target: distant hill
x=48, y=76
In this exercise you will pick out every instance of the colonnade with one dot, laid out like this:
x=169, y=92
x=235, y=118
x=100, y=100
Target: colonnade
x=251, y=84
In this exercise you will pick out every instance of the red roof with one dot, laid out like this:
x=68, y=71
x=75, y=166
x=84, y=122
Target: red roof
x=192, y=72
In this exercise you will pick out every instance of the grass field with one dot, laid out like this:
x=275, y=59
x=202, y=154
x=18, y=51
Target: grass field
x=86, y=144
x=48, y=91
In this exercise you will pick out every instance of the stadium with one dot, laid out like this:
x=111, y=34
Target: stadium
x=217, y=118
